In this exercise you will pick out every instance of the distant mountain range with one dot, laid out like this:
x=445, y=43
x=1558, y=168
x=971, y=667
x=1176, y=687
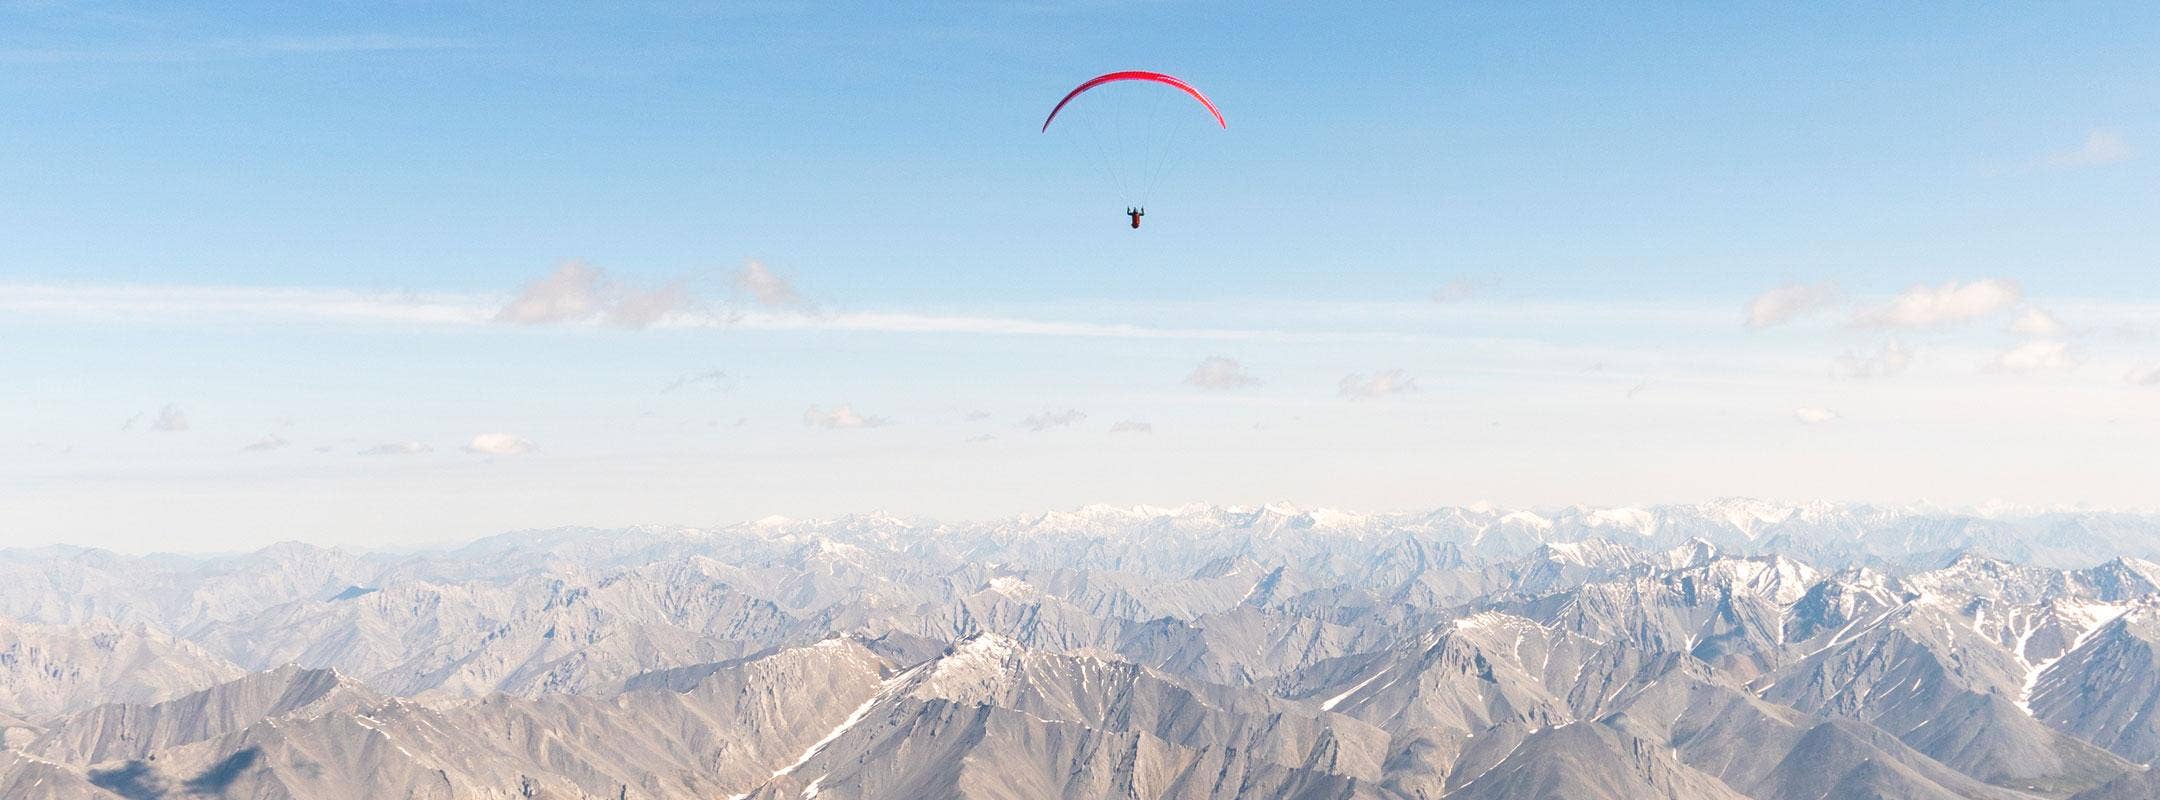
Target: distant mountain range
x=1732, y=649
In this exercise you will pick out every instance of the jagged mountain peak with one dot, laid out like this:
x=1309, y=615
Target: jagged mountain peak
x=1589, y=553
x=1694, y=552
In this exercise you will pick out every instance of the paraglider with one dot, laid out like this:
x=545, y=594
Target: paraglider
x=1136, y=75
x=1135, y=211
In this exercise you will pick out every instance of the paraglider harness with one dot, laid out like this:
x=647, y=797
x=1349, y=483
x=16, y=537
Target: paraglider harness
x=1136, y=214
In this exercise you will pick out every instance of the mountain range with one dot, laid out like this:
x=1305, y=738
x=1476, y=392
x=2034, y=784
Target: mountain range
x=1729, y=649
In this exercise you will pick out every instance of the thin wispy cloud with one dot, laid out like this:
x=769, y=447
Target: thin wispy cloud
x=841, y=417
x=170, y=419
x=1219, y=373
x=2143, y=375
x=563, y=297
x=711, y=379
x=1053, y=419
x=135, y=302
x=355, y=43
x=2100, y=147
x=900, y=322
x=1357, y=386
x=1789, y=302
x=1132, y=426
x=266, y=444
x=1814, y=415
x=569, y=296
x=1948, y=304
x=237, y=49
x=1454, y=291
x=397, y=449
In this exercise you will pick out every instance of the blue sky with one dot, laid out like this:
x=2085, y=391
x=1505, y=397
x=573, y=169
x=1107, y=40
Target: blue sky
x=300, y=225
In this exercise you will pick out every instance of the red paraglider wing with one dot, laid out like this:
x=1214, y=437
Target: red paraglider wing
x=1136, y=75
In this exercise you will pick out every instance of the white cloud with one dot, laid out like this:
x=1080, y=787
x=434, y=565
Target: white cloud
x=1053, y=419
x=2143, y=375
x=766, y=287
x=1220, y=372
x=572, y=292
x=170, y=419
x=1953, y=302
x=2035, y=322
x=643, y=309
x=841, y=417
x=2100, y=147
x=1132, y=426
x=1789, y=302
x=397, y=449
x=1811, y=415
x=2043, y=355
x=1357, y=386
x=1891, y=360
x=498, y=444
x=577, y=291
x=269, y=443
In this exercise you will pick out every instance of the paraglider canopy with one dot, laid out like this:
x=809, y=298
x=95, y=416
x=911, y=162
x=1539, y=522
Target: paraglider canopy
x=1135, y=136
x=1137, y=75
